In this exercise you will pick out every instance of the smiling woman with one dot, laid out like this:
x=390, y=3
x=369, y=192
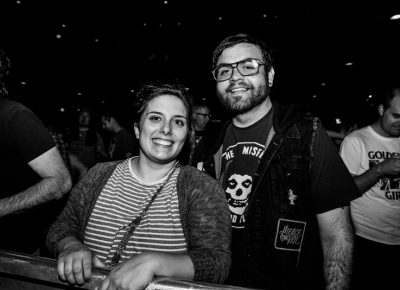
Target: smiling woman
x=146, y=216
x=163, y=125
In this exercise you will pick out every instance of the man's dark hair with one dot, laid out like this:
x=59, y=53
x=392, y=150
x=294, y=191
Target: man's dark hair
x=113, y=112
x=199, y=103
x=392, y=90
x=4, y=70
x=242, y=38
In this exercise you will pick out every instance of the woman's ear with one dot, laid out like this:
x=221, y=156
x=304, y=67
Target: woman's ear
x=136, y=129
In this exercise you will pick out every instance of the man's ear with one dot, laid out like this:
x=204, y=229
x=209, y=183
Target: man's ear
x=136, y=129
x=271, y=75
x=381, y=110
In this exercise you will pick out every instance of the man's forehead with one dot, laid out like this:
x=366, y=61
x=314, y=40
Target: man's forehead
x=239, y=52
x=394, y=104
x=202, y=109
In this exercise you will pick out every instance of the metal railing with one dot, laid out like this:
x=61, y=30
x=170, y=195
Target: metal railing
x=22, y=272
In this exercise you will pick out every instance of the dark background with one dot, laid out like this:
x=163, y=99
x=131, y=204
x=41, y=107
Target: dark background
x=106, y=49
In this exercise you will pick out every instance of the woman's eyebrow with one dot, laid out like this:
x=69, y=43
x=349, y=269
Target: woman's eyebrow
x=159, y=113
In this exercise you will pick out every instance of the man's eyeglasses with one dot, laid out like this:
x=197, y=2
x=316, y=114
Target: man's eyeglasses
x=246, y=67
x=203, y=115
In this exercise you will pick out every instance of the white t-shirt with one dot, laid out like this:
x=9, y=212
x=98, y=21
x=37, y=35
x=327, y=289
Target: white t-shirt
x=376, y=214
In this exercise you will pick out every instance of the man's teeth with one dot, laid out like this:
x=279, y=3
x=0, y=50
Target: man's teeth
x=162, y=142
x=238, y=89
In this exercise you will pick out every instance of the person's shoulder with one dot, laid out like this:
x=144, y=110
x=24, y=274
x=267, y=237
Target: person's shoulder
x=359, y=133
x=286, y=115
x=126, y=133
x=103, y=166
x=189, y=172
x=9, y=107
x=213, y=134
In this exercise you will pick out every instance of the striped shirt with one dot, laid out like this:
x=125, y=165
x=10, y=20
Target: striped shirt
x=122, y=199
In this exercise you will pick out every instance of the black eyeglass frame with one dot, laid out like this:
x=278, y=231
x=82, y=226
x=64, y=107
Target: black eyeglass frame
x=203, y=115
x=235, y=65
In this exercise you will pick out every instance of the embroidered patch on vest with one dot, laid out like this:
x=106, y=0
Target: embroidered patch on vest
x=289, y=235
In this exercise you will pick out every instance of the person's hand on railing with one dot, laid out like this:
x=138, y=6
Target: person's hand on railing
x=137, y=272
x=75, y=262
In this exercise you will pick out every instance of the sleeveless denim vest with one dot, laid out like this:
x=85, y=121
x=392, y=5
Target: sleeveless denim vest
x=280, y=222
x=283, y=249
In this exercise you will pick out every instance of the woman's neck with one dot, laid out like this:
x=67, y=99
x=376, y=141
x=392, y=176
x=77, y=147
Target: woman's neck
x=151, y=172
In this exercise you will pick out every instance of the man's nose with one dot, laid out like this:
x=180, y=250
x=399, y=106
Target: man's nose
x=236, y=75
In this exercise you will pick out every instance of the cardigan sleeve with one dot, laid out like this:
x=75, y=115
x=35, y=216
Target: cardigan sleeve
x=208, y=226
x=73, y=218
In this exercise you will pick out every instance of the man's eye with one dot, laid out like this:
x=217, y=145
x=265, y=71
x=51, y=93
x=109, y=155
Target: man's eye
x=223, y=71
x=248, y=66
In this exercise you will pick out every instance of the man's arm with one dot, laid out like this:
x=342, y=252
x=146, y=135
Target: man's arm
x=389, y=167
x=56, y=181
x=336, y=234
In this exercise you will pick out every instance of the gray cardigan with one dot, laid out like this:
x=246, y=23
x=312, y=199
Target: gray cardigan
x=203, y=210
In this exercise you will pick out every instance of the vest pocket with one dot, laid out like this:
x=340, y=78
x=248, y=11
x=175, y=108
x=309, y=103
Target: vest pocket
x=290, y=181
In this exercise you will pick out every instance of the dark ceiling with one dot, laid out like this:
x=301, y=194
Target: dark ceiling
x=106, y=49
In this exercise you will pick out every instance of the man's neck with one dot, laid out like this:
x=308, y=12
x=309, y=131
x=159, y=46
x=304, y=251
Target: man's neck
x=378, y=130
x=249, y=118
x=116, y=129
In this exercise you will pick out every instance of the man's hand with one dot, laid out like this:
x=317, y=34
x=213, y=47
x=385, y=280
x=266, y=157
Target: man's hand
x=389, y=167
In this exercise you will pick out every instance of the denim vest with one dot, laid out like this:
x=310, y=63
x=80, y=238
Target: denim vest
x=282, y=249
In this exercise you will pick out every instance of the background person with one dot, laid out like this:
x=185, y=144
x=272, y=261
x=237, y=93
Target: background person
x=201, y=117
x=32, y=174
x=122, y=144
x=372, y=155
x=174, y=218
x=85, y=144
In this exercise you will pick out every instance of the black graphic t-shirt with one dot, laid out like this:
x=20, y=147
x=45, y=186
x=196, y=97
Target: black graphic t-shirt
x=242, y=151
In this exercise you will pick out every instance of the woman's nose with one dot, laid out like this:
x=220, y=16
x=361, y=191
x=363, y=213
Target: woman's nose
x=166, y=128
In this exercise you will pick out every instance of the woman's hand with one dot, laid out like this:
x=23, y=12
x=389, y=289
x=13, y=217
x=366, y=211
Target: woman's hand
x=137, y=272
x=75, y=262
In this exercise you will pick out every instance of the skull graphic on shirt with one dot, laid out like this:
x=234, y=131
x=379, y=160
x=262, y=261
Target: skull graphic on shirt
x=237, y=192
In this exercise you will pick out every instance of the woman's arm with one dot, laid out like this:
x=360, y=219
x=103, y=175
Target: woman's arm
x=207, y=225
x=72, y=220
x=75, y=261
x=139, y=271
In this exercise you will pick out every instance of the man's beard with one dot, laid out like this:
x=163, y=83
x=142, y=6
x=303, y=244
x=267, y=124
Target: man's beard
x=239, y=105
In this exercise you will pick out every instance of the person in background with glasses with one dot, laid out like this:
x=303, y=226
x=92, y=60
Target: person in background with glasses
x=286, y=186
x=201, y=117
x=146, y=216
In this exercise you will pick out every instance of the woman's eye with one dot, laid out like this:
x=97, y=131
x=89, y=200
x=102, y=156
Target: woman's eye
x=155, y=118
x=180, y=123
